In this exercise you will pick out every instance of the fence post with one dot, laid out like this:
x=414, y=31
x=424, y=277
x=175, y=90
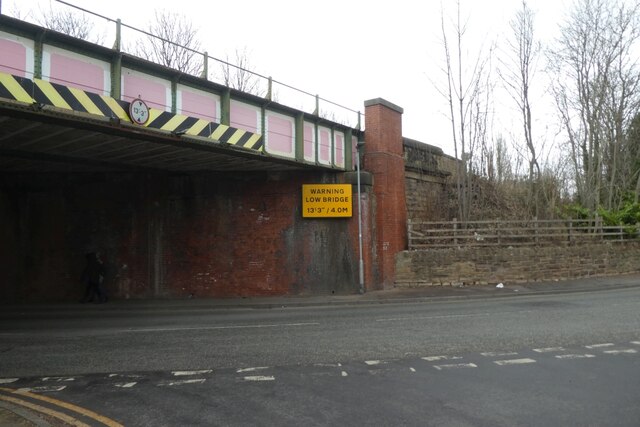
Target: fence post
x=409, y=233
x=570, y=230
x=498, y=232
x=621, y=231
x=535, y=229
x=455, y=229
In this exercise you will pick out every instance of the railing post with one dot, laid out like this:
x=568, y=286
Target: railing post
x=535, y=229
x=205, y=66
x=269, y=89
x=410, y=233
x=621, y=231
x=117, y=45
x=570, y=229
x=498, y=232
x=455, y=229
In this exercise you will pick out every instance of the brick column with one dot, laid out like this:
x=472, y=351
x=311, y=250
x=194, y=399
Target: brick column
x=383, y=157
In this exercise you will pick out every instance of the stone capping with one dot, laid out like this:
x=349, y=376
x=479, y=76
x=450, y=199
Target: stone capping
x=384, y=102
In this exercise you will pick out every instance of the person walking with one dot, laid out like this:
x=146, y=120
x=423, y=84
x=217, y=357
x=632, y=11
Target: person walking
x=93, y=278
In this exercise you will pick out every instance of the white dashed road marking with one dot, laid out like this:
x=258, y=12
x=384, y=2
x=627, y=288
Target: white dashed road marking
x=43, y=389
x=412, y=369
x=439, y=358
x=58, y=379
x=455, y=366
x=8, y=380
x=257, y=368
x=344, y=374
x=125, y=385
x=549, y=350
x=499, y=354
x=591, y=347
x=373, y=362
x=513, y=362
x=635, y=342
x=182, y=382
x=260, y=378
x=626, y=351
x=575, y=356
x=188, y=373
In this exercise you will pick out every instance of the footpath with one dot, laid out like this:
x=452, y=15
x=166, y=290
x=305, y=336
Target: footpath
x=12, y=415
x=396, y=295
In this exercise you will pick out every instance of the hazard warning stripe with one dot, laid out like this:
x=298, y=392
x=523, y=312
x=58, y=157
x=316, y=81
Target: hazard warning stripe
x=44, y=92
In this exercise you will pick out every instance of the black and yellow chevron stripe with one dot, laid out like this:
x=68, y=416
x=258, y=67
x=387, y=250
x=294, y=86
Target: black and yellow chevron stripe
x=47, y=93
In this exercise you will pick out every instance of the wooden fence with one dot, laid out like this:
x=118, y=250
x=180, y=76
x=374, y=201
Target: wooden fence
x=533, y=232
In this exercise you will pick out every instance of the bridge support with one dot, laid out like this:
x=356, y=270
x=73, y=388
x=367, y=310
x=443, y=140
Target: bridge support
x=383, y=158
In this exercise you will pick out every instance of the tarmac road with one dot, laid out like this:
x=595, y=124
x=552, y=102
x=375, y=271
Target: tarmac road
x=553, y=354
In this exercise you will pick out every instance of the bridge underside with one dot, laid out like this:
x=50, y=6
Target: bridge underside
x=37, y=138
x=172, y=215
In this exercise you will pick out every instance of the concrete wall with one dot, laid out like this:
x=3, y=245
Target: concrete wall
x=494, y=265
x=162, y=235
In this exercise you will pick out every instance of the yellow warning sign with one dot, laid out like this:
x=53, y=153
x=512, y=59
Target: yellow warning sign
x=326, y=200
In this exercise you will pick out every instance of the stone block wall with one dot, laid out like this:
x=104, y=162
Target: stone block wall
x=428, y=174
x=480, y=265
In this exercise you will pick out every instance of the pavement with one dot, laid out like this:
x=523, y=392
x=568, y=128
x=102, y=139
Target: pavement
x=394, y=295
x=12, y=415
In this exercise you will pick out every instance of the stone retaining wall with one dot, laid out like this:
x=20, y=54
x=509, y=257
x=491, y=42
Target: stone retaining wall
x=479, y=265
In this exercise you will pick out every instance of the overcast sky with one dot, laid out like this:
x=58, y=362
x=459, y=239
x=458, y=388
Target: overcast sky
x=345, y=51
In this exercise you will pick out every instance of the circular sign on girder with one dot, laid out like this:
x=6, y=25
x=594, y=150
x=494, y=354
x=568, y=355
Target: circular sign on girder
x=138, y=111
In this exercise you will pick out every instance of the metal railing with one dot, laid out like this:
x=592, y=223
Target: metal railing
x=116, y=34
x=532, y=232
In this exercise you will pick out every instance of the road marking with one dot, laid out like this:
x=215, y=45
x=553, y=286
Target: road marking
x=258, y=368
x=549, y=349
x=43, y=389
x=344, y=373
x=451, y=316
x=59, y=379
x=182, y=382
x=328, y=365
x=8, y=380
x=78, y=409
x=575, y=356
x=126, y=385
x=187, y=373
x=373, y=362
x=592, y=346
x=514, y=362
x=438, y=358
x=202, y=328
x=499, y=354
x=626, y=351
x=46, y=411
x=455, y=366
x=635, y=342
x=412, y=369
x=260, y=378
x=125, y=376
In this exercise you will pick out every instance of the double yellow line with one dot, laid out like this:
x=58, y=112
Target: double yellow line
x=25, y=399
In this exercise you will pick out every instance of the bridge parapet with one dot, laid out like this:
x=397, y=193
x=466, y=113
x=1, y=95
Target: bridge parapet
x=50, y=68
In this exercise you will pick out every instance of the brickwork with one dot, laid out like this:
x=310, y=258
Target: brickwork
x=511, y=265
x=162, y=235
x=384, y=160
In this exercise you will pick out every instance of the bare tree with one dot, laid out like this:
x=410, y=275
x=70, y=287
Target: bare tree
x=467, y=91
x=172, y=42
x=72, y=23
x=597, y=99
x=516, y=74
x=236, y=73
